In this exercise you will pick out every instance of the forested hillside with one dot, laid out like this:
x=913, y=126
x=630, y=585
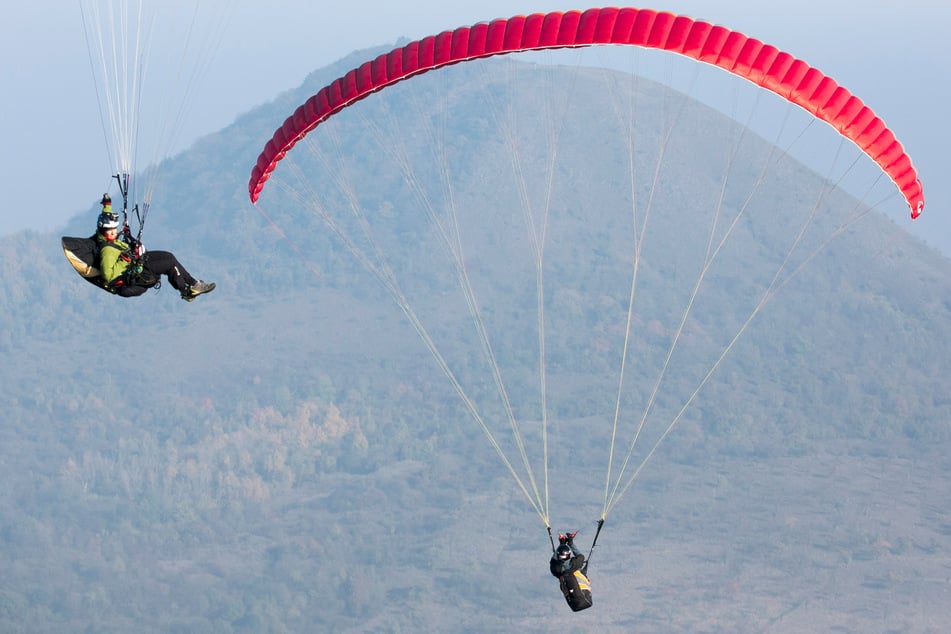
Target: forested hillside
x=283, y=455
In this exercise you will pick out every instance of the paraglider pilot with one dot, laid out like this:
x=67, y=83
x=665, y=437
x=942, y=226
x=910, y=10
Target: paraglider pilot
x=568, y=565
x=129, y=270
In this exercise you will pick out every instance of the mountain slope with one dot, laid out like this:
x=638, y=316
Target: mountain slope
x=283, y=455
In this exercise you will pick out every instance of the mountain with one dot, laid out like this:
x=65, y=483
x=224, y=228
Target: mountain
x=284, y=455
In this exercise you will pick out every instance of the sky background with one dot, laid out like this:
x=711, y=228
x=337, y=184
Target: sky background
x=56, y=163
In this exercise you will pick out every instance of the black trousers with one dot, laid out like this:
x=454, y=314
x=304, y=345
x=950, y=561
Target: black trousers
x=160, y=263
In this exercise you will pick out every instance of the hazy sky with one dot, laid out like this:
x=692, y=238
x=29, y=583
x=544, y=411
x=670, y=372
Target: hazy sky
x=55, y=162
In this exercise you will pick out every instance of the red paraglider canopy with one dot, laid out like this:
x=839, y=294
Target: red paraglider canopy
x=751, y=59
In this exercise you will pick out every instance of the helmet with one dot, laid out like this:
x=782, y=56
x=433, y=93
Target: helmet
x=563, y=553
x=106, y=200
x=107, y=221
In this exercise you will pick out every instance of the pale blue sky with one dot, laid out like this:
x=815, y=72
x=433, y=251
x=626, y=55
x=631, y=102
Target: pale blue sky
x=55, y=162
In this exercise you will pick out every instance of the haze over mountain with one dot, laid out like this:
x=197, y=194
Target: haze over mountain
x=284, y=455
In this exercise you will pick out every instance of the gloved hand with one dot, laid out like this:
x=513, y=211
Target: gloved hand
x=139, y=251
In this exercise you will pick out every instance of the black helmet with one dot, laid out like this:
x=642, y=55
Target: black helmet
x=106, y=200
x=563, y=553
x=107, y=221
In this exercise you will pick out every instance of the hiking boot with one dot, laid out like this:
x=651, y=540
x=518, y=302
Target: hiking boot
x=196, y=289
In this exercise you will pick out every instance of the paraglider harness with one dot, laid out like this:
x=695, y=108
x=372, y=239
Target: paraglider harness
x=575, y=584
x=84, y=253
